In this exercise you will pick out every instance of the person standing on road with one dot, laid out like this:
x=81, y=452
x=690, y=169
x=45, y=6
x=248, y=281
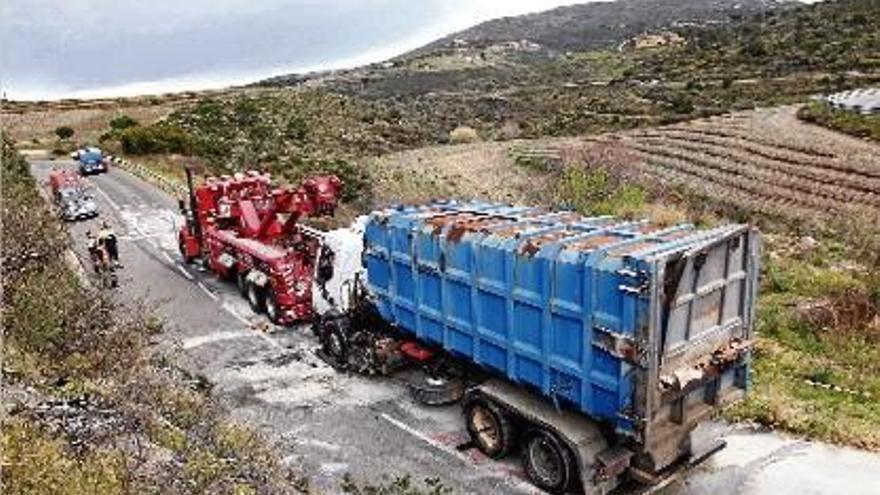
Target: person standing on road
x=107, y=238
x=94, y=249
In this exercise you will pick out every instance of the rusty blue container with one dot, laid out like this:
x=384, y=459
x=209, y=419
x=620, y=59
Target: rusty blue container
x=597, y=314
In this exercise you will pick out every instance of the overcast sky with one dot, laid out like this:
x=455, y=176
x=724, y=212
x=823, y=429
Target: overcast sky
x=84, y=48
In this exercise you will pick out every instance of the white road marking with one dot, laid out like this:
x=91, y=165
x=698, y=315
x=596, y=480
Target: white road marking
x=229, y=309
x=518, y=485
x=184, y=272
x=108, y=198
x=168, y=257
x=319, y=444
x=421, y=436
x=331, y=468
x=214, y=337
x=270, y=340
x=207, y=291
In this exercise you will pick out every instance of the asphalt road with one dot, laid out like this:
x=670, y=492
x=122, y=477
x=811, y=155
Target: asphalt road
x=327, y=424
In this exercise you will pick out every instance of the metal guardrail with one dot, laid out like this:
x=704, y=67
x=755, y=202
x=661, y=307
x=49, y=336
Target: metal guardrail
x=147, y=174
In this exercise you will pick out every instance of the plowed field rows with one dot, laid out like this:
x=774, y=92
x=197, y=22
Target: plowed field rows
x=765, y=161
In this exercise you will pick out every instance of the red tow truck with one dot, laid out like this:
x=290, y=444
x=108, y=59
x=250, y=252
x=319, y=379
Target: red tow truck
x=246, y=229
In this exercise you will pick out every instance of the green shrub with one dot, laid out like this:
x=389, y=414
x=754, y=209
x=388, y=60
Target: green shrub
x=597, y=192
x=297, y=129
x=158, y=138
x=122, y=122
x=681, y=104
x=35, y=463
x=64, y=132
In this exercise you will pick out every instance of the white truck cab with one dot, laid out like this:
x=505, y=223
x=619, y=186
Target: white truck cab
x=339, y=269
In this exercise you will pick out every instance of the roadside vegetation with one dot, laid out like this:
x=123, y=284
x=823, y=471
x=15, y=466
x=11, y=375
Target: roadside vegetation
x=816, y=368
x=849, y=122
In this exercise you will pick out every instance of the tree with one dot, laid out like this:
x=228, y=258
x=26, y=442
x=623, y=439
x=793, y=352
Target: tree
x=64, y=132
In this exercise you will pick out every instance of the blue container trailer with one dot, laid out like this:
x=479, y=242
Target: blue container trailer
x=606, y=341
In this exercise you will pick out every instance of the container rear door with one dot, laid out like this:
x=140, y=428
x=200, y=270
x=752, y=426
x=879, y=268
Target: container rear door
x=705, y=321
x=708, y=306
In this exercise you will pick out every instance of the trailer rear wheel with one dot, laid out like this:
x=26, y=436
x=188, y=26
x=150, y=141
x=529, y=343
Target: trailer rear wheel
x=256, y=298
x=547, y=462
x=489, y=428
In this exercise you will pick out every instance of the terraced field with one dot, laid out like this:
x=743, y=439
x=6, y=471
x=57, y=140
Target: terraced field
x=764, y=161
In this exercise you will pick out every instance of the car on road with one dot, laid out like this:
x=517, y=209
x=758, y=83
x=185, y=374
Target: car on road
x=72, y=196
x=91, y=161
x=76, y=204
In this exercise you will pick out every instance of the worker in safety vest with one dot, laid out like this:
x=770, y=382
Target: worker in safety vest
x=107, y=238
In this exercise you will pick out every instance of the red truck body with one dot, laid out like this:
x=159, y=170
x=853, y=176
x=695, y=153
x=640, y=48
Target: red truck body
x=60, y=179
x=245, y=229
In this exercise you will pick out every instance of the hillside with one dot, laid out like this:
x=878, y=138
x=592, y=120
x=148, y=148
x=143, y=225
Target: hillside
x=548, y=34
x=601, y=24
x=780, y=57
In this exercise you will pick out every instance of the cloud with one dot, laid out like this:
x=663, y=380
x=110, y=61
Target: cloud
x=65, y=48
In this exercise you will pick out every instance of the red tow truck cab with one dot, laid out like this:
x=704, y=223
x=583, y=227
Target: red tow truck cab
x=60, y=179
x=246, y=229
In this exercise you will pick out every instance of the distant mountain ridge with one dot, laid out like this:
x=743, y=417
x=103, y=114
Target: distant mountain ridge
x=601, y=24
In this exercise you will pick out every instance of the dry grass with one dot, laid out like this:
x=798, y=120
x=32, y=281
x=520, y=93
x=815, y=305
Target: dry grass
x=463, y=135
x=469, y=171
x=88, y=123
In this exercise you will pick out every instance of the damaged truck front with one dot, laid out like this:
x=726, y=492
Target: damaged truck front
x=592, y=346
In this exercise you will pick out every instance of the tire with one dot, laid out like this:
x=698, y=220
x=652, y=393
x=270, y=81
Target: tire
x=489, y=428
x=272, y=309
x=334, y=343
x=547, y=461
x=432, y=391
x=256, y=298
x=241, y=282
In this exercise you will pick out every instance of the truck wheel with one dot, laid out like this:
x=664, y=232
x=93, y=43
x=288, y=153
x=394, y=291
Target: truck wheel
x=334, y=344
x=241, y=282
x=434, y=390
x=272, y=309
x=547, y=462
x=256, y=298
x=489, y=428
